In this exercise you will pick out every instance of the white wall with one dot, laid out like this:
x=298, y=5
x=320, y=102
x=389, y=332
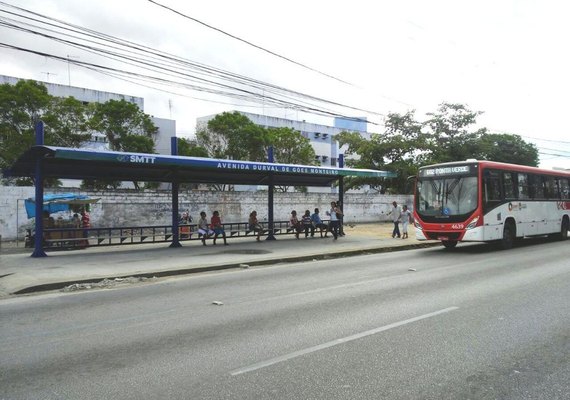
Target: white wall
x=131, y=208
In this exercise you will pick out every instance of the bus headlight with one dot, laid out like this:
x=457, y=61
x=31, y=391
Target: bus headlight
x=473, y=223
x=417, y=225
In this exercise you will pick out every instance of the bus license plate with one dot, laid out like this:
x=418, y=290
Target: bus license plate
x=442, y=238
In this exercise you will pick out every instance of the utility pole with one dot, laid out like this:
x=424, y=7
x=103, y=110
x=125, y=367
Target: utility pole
x=69, y=70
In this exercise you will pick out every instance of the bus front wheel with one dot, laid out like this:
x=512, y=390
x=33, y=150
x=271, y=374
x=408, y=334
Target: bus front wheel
x=449, y=244
x=509, y=236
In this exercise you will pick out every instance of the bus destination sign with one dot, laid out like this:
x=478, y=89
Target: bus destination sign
x=446, y=171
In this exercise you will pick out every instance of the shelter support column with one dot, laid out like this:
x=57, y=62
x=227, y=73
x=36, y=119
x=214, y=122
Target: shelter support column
x=341, y=194
x=270, y=198
x=39, y=192
x=174, y=195
x=340, y=181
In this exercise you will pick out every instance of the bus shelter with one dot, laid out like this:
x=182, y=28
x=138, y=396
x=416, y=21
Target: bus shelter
x=71, y=163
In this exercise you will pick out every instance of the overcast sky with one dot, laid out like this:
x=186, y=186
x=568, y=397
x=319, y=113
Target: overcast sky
x=507, y=58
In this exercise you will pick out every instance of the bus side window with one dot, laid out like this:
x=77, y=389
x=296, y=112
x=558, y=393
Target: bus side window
x=509, y=187
x=564, y=188
x=536, y=187
x=523, y=186
x=550, y=188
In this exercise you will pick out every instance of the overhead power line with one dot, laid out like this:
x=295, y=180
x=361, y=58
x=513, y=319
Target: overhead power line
x=160, y=62
x=248, y=42
x=245, y=95
x=530, y=137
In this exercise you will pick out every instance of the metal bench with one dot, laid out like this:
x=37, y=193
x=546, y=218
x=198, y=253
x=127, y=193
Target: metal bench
x=69, y=238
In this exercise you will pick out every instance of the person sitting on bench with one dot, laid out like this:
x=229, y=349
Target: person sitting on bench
x=216, y=225
x=254, y=225
x=204, y=228
x=318, y=223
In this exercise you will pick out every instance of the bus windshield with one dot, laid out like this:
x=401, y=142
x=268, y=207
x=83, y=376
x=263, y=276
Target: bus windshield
x=446, y=197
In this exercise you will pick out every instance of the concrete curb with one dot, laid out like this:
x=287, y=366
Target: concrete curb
x=185, y=271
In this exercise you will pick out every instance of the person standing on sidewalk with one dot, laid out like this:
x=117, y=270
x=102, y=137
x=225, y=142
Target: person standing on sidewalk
x=85, y=224
x=406, y=217
x=340, y=217
x=396, y=216
x=334, y=223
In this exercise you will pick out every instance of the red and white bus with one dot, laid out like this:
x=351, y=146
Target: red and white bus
x=484, y=201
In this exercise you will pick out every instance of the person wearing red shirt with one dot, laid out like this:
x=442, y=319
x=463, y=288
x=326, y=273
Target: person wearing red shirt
x=217, y=227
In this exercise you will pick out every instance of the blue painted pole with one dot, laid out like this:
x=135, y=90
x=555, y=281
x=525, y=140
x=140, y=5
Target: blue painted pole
x=271, y=190
x=340, y=179
x=341, y=193
x=175, y=188
x=39, y=192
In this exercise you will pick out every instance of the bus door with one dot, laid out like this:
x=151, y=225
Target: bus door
x=492, y=200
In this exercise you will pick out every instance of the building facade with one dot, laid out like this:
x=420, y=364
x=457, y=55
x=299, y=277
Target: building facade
x=322, y=137
x=166, y=127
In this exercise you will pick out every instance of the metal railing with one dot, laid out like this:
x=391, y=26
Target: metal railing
x=78, y=238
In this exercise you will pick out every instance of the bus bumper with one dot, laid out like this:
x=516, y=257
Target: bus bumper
x=470, y=235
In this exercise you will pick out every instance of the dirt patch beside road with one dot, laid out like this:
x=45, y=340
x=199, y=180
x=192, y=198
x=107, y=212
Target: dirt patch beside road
x=381, y=230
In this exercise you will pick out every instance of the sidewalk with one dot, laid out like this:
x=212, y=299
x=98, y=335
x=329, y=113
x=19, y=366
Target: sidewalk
x=20, y=273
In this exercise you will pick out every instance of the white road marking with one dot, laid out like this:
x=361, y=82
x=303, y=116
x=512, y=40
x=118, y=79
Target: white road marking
x=346, y=339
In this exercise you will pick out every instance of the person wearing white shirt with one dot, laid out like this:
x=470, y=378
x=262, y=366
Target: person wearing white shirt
x=396, y=217
x=334, y=214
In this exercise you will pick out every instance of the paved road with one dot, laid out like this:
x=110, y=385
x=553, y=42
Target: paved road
x=475, y=323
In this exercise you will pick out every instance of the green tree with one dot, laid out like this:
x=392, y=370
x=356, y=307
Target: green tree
x=233, y=136
x=127, y=128
x=121, y=121
x=68, y=121
x=190, y=148
x=453, y=138
x=451, y=135
x=508, y=148
x=290, y=147
x=21, y=105
x=447, y=135
x=396, y=150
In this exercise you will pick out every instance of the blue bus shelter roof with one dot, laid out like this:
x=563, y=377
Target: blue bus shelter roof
x=71, y=163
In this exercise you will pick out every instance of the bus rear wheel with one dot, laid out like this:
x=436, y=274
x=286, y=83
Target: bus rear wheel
x=564, y=229
x=509, y=236
x=449, y=244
